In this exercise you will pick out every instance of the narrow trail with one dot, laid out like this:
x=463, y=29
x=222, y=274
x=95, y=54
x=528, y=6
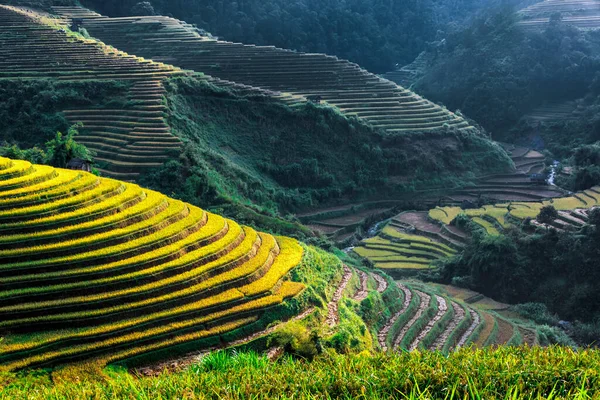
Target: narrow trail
x=382, y=335
x=459, y=315
x=362, y=293
x=382, y=284
x=425, y=300
x=179, y=363
x=465, y=337
x=332, y=308
x=442, y=309
x=529, y=337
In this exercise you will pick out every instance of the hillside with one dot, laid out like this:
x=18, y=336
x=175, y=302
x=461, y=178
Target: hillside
x=341, y=223
x=201, y=255
x=97, y=268
x=134, y=118
x=135, y=129
x=373, y=36
x=583, y=14
x=508, y=75
x=337, y=82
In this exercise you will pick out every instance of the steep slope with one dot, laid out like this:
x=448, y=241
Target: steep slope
x=270, y=150
x=129, y=139
x=340, y=83
x=92, y=267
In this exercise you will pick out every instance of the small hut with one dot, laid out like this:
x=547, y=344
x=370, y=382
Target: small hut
x=79, y=164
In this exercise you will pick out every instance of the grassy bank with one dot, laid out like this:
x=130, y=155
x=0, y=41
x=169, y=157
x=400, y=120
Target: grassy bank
x=490, y=374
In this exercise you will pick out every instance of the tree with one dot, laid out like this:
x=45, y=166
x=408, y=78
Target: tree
x=142, y=8
x=64, y=148
x=547, y=215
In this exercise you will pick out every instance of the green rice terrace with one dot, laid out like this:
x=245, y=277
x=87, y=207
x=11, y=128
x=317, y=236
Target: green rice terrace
x=415, y=240
x=583, y=14
x=129, y=139
x=340, y=83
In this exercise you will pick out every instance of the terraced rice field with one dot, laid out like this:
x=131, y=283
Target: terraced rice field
x=583, y=14
x=554, y=112
x=285, y=74
x=414, y=240
x=433, y=320
x=573, y=212
x=341, y=223
x=515, y=186
x=93, y=267
x=397, y=252
x=128, y=141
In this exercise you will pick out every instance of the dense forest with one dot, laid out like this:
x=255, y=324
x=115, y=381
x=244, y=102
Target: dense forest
x=495, y=72
x=376, y=34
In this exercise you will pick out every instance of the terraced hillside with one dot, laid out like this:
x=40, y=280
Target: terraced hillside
x=283, y=72
x=129, y=139
x=341, y=223
x=97, y=268
x=410, y=73
x=414, y=240
x=516, y=186
x=583, y=14
x=554, y=112
x=572, y=212
x=442, y=318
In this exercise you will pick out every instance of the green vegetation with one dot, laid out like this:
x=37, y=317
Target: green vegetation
x=495, y=71
x=264, y=157
x=586, y=165
x=502, y=373
x=32, y=110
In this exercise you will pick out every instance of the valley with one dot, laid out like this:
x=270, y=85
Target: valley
x=214, y=207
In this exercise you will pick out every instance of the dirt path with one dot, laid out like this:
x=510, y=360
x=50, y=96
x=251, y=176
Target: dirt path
x=459, y=315
x=425, y=300
x=332, y=308
x=179, y=363
x=382, y=335
x=362, y=293
x=474, y=324
x=505, y=331
x=529, y=337
x=442, y=309
x=419, y=220
x=382, y=284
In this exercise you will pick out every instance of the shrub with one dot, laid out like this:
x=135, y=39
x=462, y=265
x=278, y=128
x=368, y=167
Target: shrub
x=547, y=215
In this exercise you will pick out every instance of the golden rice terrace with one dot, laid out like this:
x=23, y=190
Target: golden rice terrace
x=97, y=268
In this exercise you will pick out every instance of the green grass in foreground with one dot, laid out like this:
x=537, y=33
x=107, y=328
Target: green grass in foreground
x=503, y=373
